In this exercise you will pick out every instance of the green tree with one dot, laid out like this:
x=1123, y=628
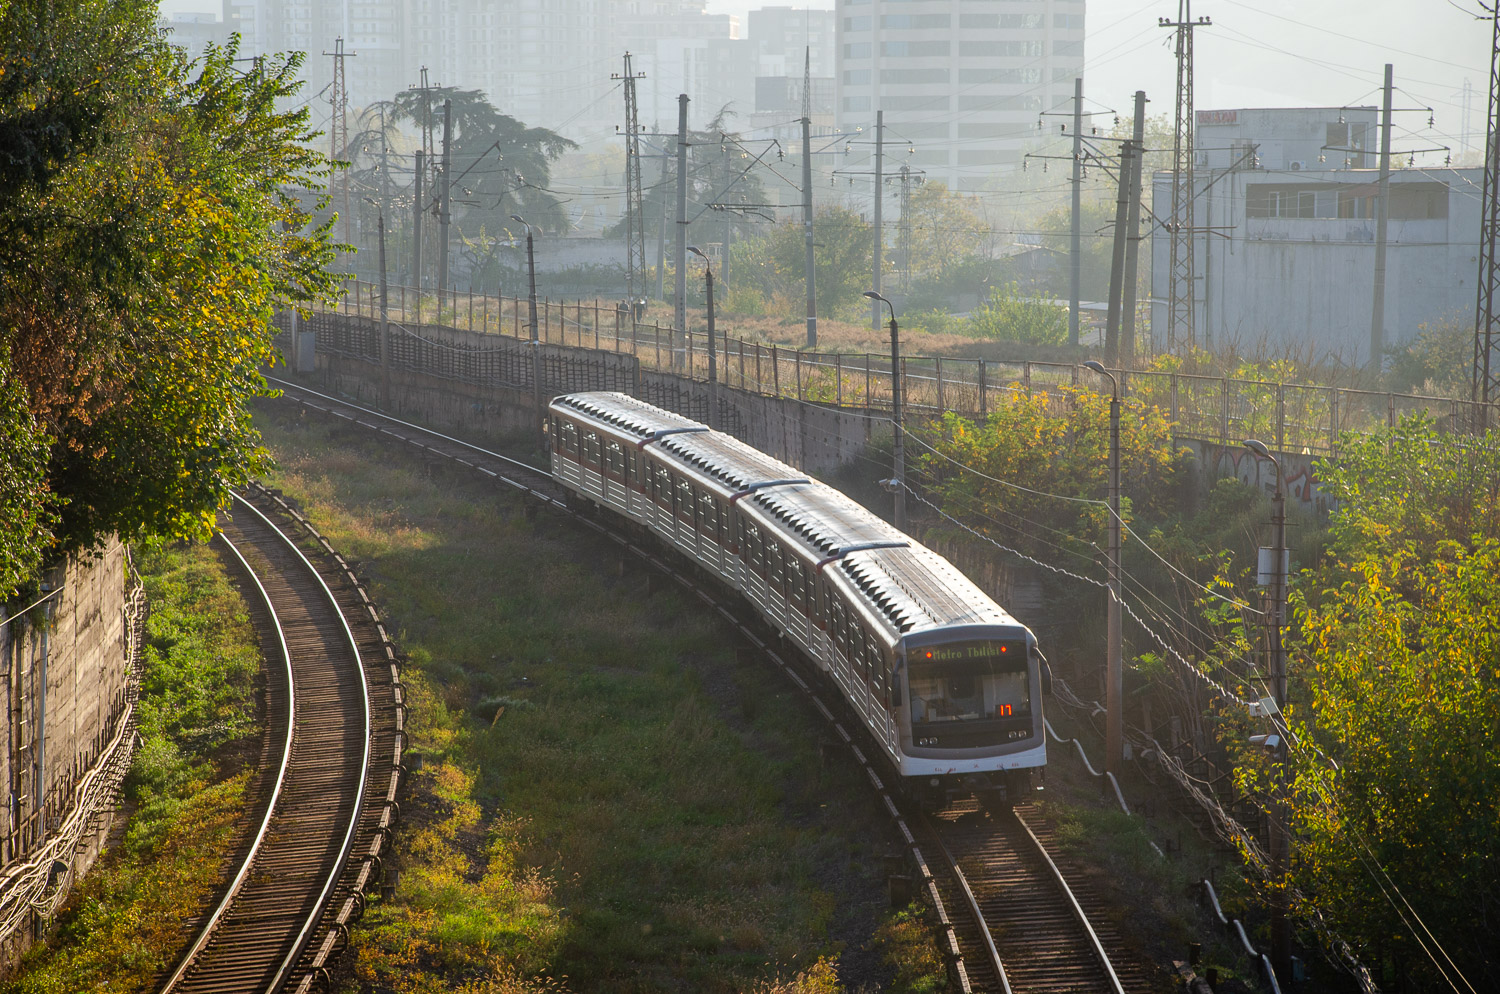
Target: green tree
x=1009, y=317
x=774, y=263
x=146, y=229
x=946, y=228
x=1403, y=693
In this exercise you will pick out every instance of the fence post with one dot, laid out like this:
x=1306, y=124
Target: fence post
x=941, y=406
x=1026, y=376
x=471, y=307
x=1390, y=410
x=983, y=393
x=596, y=328
x=760, y=383
x=869, y=383
x=1224, y=411
x=1333, y=420
x=1174, y=397
x=775, y=372
x=1281, y=417
x=657, y=338
x=799, y=374
x=515, y=313
x=838, y=370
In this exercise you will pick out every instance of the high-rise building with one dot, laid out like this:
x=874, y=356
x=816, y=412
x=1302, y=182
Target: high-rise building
x=960, y=81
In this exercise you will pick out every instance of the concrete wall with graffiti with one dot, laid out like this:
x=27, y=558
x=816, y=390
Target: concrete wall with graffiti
x=1304, y=495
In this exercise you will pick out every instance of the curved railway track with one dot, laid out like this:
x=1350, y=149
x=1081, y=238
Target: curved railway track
x=312, y=837
x=1019, y=927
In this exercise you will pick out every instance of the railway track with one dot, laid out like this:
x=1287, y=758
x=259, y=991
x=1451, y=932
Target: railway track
x=320, y=809
x=1008, y=920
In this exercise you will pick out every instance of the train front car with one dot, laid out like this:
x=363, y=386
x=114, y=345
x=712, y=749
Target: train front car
x=967, y=680
x=970, y=713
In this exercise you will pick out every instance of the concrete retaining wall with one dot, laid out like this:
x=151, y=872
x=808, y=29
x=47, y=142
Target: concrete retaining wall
x=69, y=694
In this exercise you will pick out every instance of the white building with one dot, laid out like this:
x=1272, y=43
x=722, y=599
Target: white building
x=1288, y=260
x=962, y=81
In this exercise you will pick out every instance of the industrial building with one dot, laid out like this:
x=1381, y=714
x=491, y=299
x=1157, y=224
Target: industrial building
x=1285, y=243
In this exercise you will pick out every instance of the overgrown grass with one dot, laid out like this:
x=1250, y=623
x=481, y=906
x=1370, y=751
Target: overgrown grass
x=610, y=799
x=124, y=923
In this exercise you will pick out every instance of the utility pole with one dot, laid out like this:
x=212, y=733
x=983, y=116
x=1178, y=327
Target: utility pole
x=679, y=256
x=1486, y=375
x=1180, y=267
x=1117, y=259
x=807, y=203
x=661, y=228
x=338, y=128
x=416, y=230
x=385, y=321
x=1133, y=246
x=879, y=227
x=1382, y=218
x=443, y=216
x=635, y=216
x=728, y=220
x=1075, y=252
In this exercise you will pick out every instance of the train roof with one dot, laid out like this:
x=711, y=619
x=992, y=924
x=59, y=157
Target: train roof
x=732, y=463
x=905, y=582
x=825, y=518
x=915, y=588
x=626, y=412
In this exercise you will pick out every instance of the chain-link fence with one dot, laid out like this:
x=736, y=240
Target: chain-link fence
x=1299, y=417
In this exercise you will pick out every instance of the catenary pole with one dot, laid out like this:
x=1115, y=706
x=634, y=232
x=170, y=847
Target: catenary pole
x=1133, y=246
x=679, y=255
x=1075, y=251
x=1382, y=217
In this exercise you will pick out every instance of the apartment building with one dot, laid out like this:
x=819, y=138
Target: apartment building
x=960, y=81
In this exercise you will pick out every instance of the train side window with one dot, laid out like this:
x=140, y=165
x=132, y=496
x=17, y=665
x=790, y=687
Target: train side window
x=708, y=510
x=591, y=448
x=616, y=458
x=721, y=514
x=774, y=557
x=795, y=586
x=836, y=626
x=630, y=455
x=753, y=549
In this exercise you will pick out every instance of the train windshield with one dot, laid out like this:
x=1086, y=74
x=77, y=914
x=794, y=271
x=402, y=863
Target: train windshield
x=969, y=681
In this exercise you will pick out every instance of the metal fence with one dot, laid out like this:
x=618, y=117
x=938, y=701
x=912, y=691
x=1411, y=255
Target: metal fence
x=1297, y=416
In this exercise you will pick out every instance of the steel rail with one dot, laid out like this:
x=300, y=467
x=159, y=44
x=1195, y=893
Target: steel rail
x=1082, y=919
x=206, y=932
x=310, y=925
x=968, y=892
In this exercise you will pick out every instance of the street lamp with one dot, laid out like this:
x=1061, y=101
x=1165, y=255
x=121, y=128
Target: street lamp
x=1114, y=676
x=713, y=374
x=536, y=345
x=1275, y=572
x=897, y=482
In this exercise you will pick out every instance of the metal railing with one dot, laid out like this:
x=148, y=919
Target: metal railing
x=1300, y=417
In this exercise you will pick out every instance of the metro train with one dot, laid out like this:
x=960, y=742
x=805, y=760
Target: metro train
x=948, y=685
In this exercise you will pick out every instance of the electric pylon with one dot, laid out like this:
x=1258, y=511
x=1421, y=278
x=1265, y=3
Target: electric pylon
x=1180, y=268
x=338, y=128
x=635, y=216
x=1486, y=382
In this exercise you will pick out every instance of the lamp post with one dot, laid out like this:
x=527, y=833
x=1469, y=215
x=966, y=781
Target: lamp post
x=713, y=372
x=1275, y=572
x=536, y=345
x=1114, y=676
x=385, y=319
x=898, y=474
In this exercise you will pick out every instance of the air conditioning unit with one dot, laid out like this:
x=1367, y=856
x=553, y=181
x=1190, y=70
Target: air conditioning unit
x=1297, y=165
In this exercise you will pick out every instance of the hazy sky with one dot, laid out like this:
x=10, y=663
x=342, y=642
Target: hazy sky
x=1288, y=53
x=1272, y=53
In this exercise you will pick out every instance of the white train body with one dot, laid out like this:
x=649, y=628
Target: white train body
x=945, y=681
